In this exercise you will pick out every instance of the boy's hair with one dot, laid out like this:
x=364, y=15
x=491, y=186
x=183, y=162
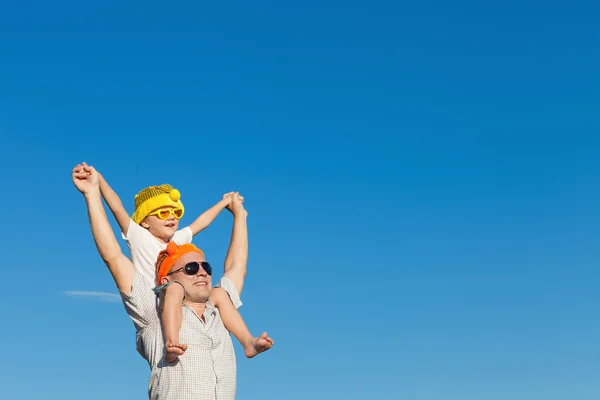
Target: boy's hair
x=155, y=197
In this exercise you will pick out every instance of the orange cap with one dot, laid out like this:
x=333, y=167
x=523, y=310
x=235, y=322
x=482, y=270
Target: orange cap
x=168, y=257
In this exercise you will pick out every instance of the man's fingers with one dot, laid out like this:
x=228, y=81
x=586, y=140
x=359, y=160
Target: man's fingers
x=88, y=168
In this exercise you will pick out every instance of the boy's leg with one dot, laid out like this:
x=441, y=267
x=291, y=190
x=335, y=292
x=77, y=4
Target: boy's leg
x=233, y=321
x=171, y=321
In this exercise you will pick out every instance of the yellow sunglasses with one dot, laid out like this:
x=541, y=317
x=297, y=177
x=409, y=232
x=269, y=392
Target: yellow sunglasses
x=165, y=213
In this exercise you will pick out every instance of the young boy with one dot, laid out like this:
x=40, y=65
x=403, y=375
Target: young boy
x=151, y=228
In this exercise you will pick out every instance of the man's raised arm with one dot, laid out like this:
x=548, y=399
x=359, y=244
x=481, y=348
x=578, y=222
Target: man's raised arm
x=85, y=179
x=237, y=255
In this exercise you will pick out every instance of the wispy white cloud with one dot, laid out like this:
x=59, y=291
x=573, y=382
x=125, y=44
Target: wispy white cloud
x=101, y=296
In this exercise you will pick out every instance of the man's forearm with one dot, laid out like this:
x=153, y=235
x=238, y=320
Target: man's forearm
x=105, y=240
x=237, y=255
x=120, y=267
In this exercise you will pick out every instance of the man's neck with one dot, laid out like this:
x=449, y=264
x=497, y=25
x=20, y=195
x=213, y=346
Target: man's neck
x=198, y=308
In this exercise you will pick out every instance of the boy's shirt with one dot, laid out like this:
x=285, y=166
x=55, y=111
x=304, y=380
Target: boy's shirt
x=144, y=248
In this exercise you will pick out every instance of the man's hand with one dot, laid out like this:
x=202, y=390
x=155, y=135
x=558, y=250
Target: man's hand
x=236, y=207
x=85, y=178
x=228, y=197
x=208, y=216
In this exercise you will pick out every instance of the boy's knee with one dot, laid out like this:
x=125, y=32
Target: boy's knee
x=218, y=295
x=175, y=290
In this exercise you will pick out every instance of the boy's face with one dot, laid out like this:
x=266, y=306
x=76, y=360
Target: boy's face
x=160, y=228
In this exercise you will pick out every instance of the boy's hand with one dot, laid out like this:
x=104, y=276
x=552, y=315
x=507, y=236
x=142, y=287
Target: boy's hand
x=228, y=197
x=85, y=178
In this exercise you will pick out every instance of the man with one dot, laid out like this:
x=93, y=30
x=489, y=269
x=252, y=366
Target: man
x=208, y=370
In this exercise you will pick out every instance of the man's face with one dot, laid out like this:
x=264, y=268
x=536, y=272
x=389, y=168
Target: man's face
x=161, y=228
x=197, y=286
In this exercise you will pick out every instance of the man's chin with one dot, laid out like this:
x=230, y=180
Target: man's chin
x=200, y=295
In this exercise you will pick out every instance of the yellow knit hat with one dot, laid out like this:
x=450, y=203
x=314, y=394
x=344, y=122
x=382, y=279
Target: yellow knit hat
x=155, y=197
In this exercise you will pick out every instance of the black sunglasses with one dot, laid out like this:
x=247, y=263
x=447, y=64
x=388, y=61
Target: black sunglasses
x=193, y=267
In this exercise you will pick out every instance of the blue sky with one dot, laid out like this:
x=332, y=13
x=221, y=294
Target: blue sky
x=421, y=181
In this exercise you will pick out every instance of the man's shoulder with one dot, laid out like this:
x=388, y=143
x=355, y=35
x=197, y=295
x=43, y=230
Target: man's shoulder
x=226, y=284
x=141, y=303
x=140, y=288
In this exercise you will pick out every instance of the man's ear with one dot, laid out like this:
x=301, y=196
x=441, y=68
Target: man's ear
x=164, y=280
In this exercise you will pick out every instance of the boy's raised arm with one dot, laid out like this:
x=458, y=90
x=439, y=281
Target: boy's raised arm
x=86, y=179
x=115, y=204
x=208, y=216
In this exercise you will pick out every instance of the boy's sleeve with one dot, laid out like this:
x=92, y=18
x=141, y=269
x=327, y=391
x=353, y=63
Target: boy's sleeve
x=133, y=232
x=183, y=236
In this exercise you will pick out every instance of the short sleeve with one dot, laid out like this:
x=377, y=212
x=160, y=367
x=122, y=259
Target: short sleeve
x=227, y=285
x=183, y=236
x=134, y=232
x=141, y=303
